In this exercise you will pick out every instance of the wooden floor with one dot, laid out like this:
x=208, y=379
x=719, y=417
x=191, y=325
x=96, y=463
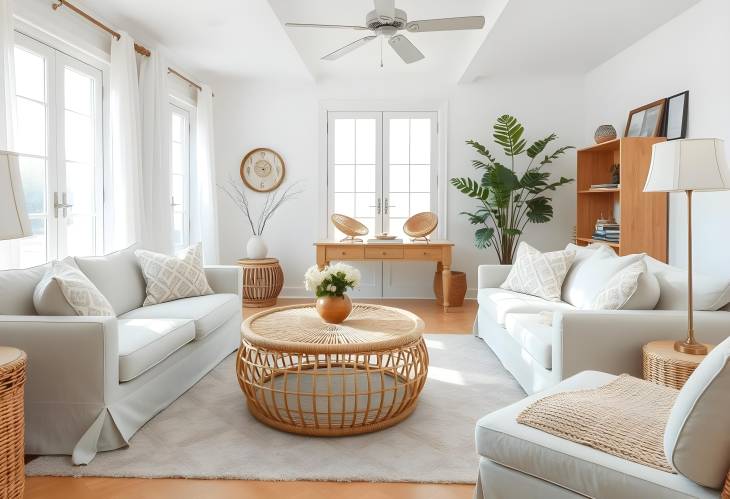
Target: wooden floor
x=456, y=320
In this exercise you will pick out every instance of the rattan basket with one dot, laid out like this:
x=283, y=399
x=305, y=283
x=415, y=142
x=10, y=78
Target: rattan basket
x=421, y=225
x=349, y=226
x=12, y=424
x=726, y=488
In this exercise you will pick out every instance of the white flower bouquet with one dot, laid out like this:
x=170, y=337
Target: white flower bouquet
x=333, y=280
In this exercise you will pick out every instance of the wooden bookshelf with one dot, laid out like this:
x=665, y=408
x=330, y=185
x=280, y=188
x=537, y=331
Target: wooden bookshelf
x=643, y=216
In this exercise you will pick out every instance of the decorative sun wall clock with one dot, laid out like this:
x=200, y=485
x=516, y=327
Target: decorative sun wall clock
x=262, y=169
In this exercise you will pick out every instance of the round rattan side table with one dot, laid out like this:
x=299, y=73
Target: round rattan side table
x=262, y=281
x=12, y=424
x=304, y=376
x=663, y=365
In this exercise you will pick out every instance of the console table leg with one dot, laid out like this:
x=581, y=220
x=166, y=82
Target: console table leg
x=446, y=282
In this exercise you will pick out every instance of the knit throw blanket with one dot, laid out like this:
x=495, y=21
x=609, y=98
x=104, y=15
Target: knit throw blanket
x=625, y=418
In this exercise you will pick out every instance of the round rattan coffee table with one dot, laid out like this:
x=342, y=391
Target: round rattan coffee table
x=304, y=376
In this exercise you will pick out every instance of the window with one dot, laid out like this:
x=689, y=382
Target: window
x=381, y=167
x=180, y=174
x=59, y=139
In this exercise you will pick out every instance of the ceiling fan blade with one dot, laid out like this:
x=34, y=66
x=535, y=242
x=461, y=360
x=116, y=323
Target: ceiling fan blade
x=337, y=26
x=447, y=24
x=348, y=48
x=385, y=9
x=405, y=49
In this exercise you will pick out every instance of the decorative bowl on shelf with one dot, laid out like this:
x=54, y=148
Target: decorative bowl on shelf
x=352, y=228
x=384, y=236
x=604, y=133
x=420, y=225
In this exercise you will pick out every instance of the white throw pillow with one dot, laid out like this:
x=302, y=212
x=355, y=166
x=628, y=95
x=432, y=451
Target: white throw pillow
x=646, y=295
x=538, y=274
x=65, y=290
x=593, y=275
x=708, y=292
x=173, y=277
x=619, y=289
x=582, y=254
x=697, y=435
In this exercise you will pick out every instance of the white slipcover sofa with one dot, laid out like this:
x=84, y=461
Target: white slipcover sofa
x=521, y=461
x=540, y=355
x=92, y=382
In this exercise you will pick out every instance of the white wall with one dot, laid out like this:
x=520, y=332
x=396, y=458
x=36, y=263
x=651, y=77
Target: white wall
x=691, y=52
x=285, y=118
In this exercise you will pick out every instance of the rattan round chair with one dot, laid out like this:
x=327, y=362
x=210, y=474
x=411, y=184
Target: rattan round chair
x=420, y=225
x=353, y=229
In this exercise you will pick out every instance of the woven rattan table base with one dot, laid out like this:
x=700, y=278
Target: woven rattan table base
x=663, y=366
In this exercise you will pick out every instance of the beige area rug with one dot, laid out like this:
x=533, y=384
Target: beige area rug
x=208, y=432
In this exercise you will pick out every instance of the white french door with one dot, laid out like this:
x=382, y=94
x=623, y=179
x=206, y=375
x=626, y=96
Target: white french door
x=59, y=142
x=381, y=169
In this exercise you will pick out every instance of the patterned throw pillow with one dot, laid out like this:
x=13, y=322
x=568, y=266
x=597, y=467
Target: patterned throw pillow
x=65, y=290
x=539, y=274
x=173, y=277
x=620, y=288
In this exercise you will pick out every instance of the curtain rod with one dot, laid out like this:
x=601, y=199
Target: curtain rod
x=139, y=48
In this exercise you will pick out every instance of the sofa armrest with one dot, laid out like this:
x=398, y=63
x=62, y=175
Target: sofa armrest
x=225, y=278
x=492, y=276
x=611, y=341
x=71, y=359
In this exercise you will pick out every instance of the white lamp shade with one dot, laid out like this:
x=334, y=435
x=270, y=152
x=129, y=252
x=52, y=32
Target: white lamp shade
x=688, y=165
x=14, y=221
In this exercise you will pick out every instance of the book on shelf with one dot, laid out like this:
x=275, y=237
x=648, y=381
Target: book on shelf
x=598, y=187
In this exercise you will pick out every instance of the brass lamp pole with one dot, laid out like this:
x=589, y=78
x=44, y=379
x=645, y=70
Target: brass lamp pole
x=688, y=165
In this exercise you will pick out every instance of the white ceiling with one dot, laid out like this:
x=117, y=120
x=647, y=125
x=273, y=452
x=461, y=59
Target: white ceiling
x=558, y=36
x=246, y=38
x=447, y=53
x=210, y=37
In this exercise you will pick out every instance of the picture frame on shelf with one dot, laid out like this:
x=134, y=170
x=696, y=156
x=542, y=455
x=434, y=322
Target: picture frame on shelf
x=675, y=121
x=647, y=120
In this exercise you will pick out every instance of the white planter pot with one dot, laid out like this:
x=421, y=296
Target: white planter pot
x=256, y=248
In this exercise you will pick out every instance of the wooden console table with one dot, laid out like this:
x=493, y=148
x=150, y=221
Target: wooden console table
x=434, y=251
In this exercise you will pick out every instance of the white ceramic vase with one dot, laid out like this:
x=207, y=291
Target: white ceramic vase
x=256, y=248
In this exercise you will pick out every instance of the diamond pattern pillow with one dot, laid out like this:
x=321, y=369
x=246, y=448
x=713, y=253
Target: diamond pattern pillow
x=620, y=288
x=173, y=277
x=539, y=274
x=65, y=290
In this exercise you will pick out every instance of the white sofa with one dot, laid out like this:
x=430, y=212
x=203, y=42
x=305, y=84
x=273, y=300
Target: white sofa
x=539, y=355
x=92, y=382
x=521, y=461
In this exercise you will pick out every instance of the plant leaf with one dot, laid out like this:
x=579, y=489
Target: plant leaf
x=539, y=210
x=508, y=134
x=483, y=237
x=549, y=159
x=471, y=188
x=539, y=146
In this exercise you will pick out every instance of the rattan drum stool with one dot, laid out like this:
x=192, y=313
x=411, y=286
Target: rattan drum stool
x=262, y=281
x=12, y=424
x=663, y=365
x=304, y=376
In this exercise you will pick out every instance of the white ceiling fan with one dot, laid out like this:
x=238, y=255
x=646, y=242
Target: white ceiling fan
x=386, y=21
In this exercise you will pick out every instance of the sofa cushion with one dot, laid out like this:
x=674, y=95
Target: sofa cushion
x=533, y=335
x=208, y=312
x=647, y=293
x=17, y=287
x=697, y=437
x=576, y=467
x=539, y=274
x=619, y=288
x=144, y=343
x=709, y=292
x=500, y=302
x=118, y=277
x=65, y=290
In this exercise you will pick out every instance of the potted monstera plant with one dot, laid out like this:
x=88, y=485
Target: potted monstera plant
x=508, y=198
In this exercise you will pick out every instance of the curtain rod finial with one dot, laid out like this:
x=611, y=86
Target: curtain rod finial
x=57, y=5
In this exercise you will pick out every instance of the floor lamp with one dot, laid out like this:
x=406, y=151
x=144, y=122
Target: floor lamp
x=14, y=221
x=688, y=165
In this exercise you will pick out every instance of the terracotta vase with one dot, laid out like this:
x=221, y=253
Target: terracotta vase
x=334, y=309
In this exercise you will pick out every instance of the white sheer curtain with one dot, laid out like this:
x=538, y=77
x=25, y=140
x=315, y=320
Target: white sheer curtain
x=124, y=205
x=157, y=232
x=204, y=206
x=7, y=75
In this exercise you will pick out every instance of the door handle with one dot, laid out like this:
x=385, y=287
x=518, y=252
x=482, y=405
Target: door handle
x=64, y=205
x=387, y=206
x=378, y=206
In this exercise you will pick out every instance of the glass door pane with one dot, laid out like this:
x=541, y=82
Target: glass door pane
x=180, y=172
x=81, y=170
x=355, y=170
x=410, y=177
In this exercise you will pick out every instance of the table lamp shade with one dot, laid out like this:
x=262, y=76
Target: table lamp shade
x=14, y=221
x=688, y=165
